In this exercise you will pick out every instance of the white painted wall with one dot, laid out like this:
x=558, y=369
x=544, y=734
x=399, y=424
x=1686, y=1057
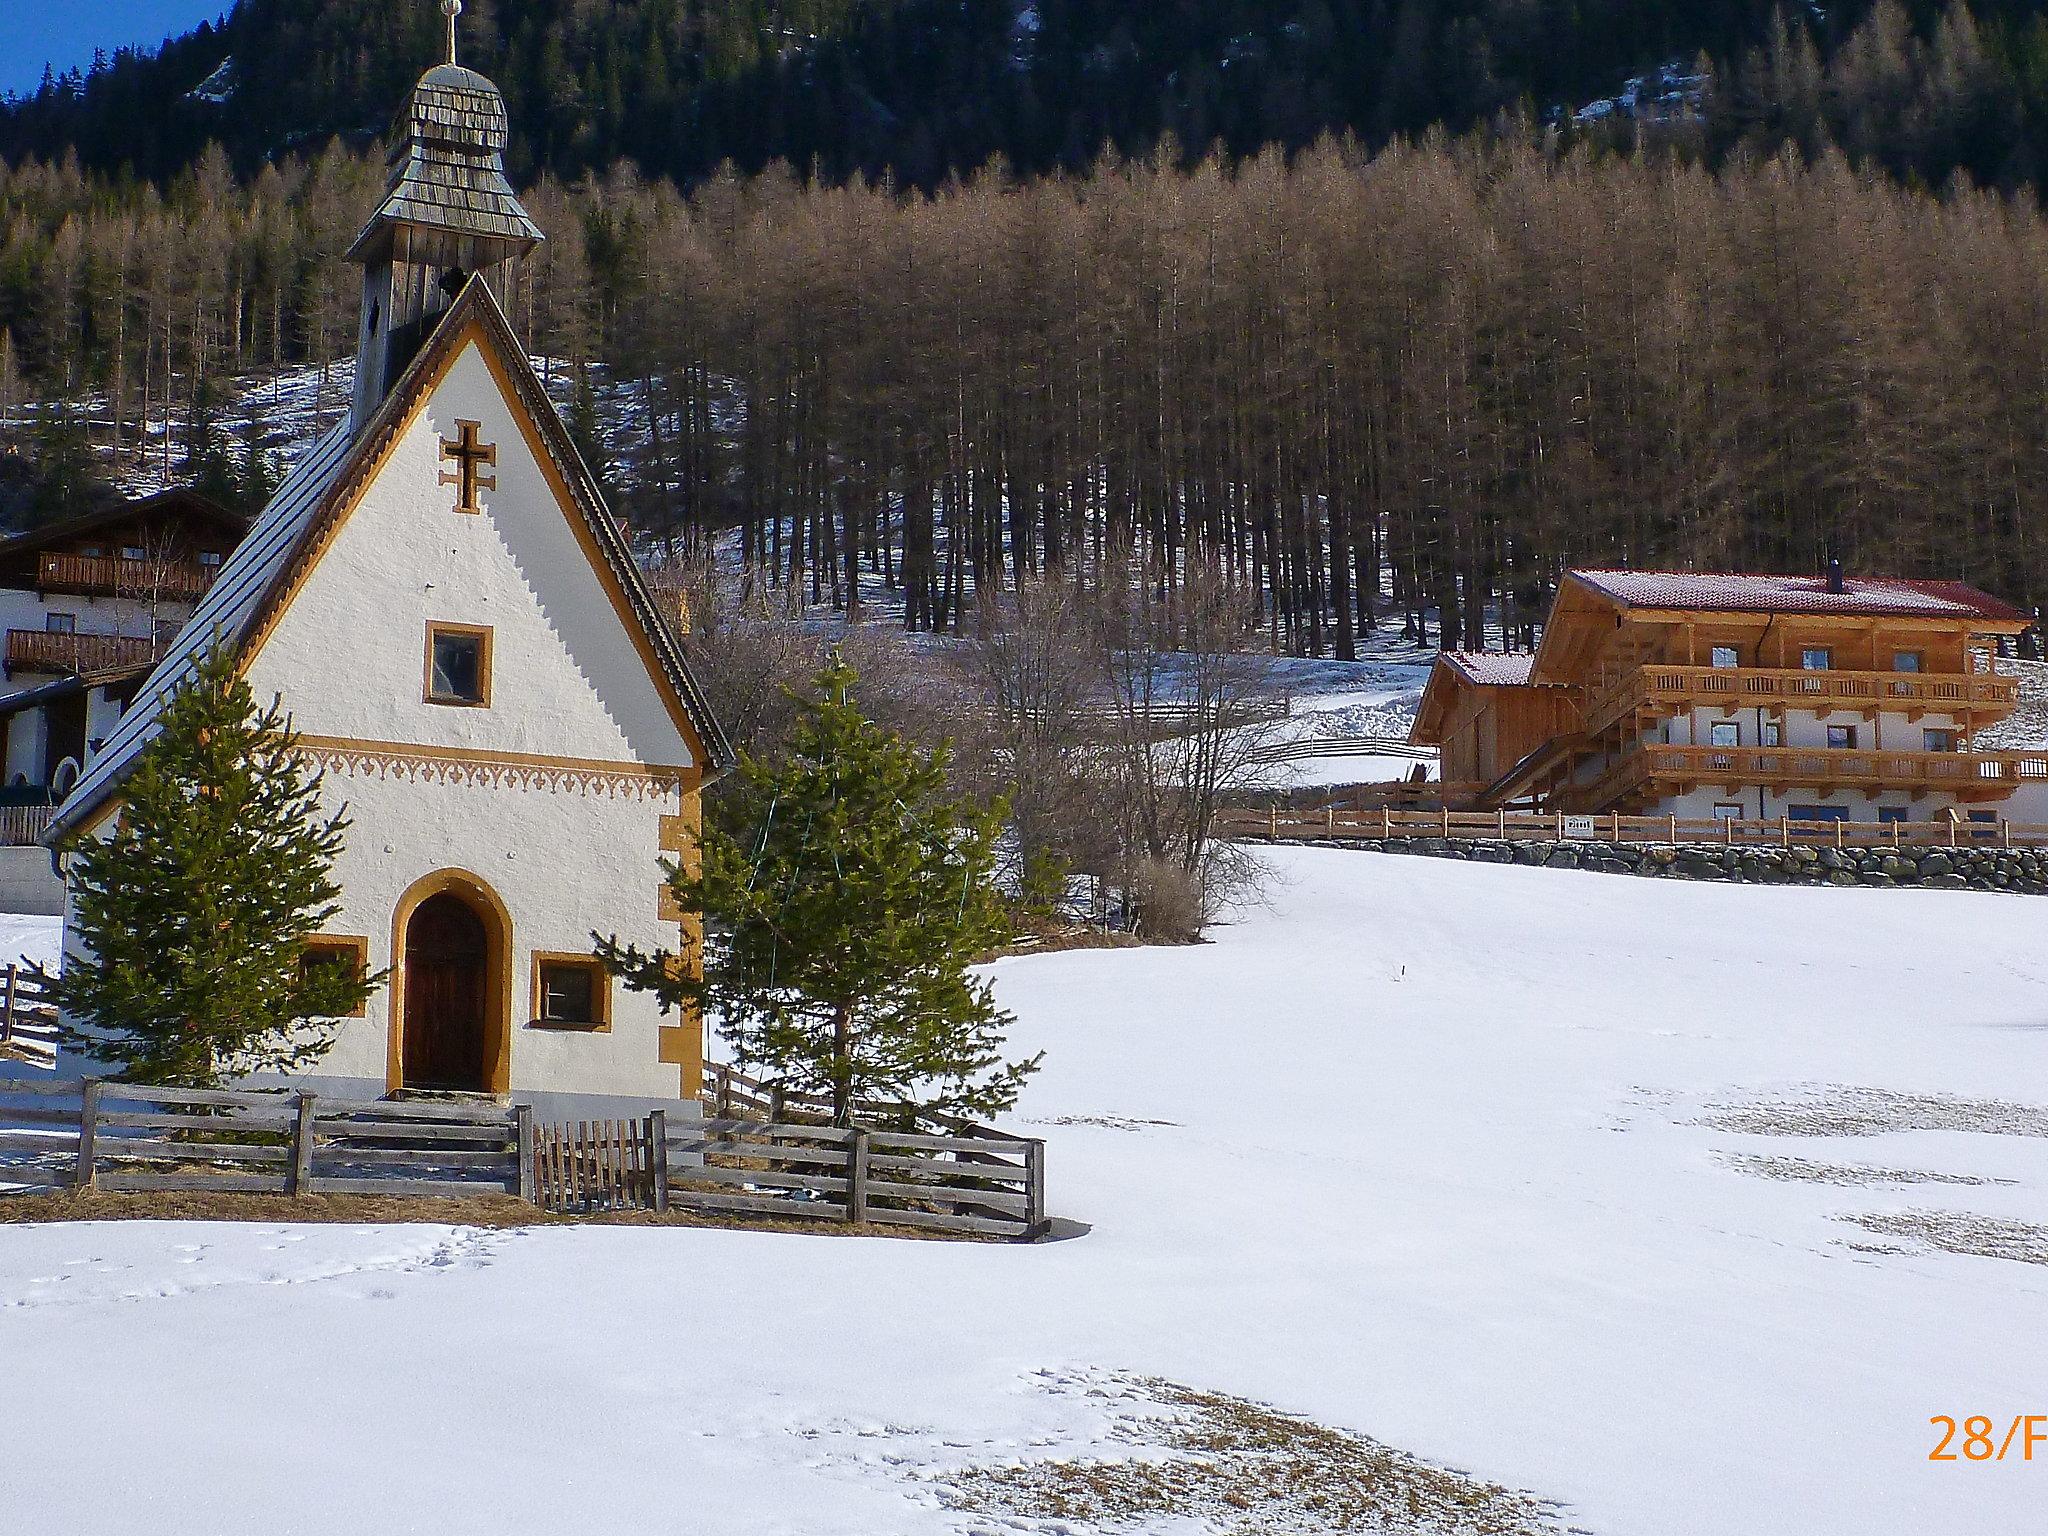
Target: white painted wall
x=568, y=680
x=348, y=658
x=565, y=865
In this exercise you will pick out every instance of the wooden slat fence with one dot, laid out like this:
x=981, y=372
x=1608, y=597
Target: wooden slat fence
x=1337, y=822
x=988, y=1186
x=93, y=1134
x=28, y=1023
x=601, y=1165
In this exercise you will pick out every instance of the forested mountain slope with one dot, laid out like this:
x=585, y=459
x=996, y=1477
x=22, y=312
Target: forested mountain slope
x=925, y=88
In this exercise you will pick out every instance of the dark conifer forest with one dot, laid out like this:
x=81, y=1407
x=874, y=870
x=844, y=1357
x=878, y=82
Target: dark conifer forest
x=921, y=300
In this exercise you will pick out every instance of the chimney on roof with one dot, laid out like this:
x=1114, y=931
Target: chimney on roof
x=1837, y=585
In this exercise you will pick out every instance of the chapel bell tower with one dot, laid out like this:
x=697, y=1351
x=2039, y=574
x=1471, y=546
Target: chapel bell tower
x=448, y=213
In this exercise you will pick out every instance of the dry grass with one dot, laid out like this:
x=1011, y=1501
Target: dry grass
x=1983, y=1237
x=1058, y=940
x=1241, y=1469
x=388, y=1210
x=1801, y=1170
x=1842, y=1111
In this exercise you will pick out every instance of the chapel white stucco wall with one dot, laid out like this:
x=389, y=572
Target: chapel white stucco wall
x=564, y=862
x=567, y=677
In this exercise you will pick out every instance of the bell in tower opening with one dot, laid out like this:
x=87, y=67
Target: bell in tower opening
x=448, y=214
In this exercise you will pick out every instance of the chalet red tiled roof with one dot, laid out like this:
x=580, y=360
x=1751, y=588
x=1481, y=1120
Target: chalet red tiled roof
x=1732, y=593
x=1492, y=669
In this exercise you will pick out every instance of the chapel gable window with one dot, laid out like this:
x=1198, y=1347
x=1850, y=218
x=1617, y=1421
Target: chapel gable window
x=571, y=992
x=458, y=665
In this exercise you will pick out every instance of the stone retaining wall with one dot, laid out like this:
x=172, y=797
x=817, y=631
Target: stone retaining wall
x=2022, y=870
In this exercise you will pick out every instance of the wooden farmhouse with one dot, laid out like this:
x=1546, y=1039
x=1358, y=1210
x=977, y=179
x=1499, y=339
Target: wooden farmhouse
x=89, y=604
x=1738, y=697
x=454, y=621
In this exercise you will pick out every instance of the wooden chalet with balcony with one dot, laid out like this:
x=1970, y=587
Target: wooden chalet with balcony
x=1740, y=697
x=89, y=605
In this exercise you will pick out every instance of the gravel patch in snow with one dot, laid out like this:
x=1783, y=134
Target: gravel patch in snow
x=1236, y=1468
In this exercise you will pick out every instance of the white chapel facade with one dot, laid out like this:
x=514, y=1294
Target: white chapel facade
x=455, y=624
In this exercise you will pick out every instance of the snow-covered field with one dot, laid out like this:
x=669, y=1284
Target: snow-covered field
x=1639, y=1195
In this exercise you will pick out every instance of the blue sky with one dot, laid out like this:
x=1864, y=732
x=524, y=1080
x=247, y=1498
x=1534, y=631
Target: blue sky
x=65, y=32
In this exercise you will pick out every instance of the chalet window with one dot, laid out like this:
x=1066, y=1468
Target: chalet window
x=134, y=552
x=1906, y=661
x=1816, y=658
x=571, y=992
x=209, y=558
x=1727, y=810
x=1726, y=656
x=1887, y=814
x=458, y=665
x=1816, y=813
x=1842, y=738
x=337, y=949
x=1938, y=740
x=1725, y=733
x=60, y=623
x=1771, y=733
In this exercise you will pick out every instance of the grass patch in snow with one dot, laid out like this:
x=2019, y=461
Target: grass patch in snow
x=1242, y=1469
x=1841, y=1111
x=1802, y=1170
x=1983, y=1237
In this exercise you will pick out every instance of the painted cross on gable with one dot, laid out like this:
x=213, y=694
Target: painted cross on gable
x=471, y=453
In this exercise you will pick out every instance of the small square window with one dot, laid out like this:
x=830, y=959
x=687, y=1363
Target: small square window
x=209, y=557
x=134, y=552
x=1816, y=658
x=61, y=623
x=1888, y=814
x=1906, y=661
x=1724, y=733
x=1726, y=656
x=1842, y=738
x=458, y=665
x=337, y=949
x=1938, y=740
x=571, y=992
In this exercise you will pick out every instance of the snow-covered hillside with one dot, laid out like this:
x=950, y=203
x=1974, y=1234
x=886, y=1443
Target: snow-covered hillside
x=1670, y=1202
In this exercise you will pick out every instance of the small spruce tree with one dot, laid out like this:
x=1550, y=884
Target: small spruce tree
x=195, y=909
x=844, y=910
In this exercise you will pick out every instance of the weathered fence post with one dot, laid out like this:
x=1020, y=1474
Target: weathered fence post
x=1034, y=1187
x=88, y=1133
x=857, y=1178
x=7, y=1023
x=522, y=1118
x=657, y=1141
x=301, y=1181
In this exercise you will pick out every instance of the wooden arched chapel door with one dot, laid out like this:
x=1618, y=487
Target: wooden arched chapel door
x=447, y=996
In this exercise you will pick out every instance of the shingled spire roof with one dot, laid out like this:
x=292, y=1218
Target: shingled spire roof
x=448, y=169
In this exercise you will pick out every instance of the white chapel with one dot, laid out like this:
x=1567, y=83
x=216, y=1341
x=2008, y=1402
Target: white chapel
x=455, y=623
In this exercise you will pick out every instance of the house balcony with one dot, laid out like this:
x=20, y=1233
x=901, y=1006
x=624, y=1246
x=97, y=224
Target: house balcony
x=42, y=650
x=180, y=581
x=1646, y=773
x=1653, y=692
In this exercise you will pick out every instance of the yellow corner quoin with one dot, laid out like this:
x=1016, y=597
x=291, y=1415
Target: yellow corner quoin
x=682, y=1045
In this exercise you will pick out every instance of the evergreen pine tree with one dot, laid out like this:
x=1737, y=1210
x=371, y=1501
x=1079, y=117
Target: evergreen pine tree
x=845, y=912
x=195, y=909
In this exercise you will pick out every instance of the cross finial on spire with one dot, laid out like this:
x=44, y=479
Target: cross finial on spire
x=451, y=9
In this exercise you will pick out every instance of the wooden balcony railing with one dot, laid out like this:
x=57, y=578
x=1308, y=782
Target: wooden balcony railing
x=40, y=650
x=1966, y=775
x=1671, y=690
x=110, y=576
